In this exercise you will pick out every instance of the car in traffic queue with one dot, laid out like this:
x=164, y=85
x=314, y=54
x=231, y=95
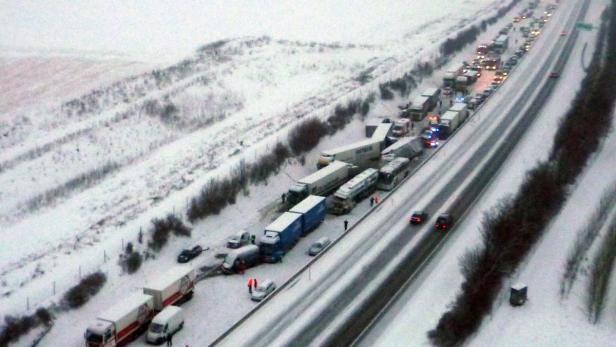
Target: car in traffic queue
x=263, y=289
x=444, y=222
x=418, y=217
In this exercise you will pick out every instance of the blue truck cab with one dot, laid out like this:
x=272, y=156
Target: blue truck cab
x=280, y=236
x=312, y=210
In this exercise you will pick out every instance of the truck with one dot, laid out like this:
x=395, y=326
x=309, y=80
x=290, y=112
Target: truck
x=371, y=124
x=500, y=44
x=420, y=106
x=312, y=211
x=433, y=94
x=122, y=322
x=381, y=133
x=323, y=182
x=449, y=79
x=174, y=286
x=450, y=121
x=406, y=147
x=461, y=83
x=359, y=153
x=347, y=196
x=401, y=127
x=461, y=108
x=280, y=236
x=481, y=51
x=491, y=62
x=472, y=76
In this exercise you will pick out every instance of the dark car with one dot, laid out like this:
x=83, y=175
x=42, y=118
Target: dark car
x=418, y=217
x=444, y=222
x=554, y=74
x=189, y=254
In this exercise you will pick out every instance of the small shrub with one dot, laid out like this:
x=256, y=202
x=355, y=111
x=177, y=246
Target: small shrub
x=89, y=286
x=386, y=94
x=133, y=262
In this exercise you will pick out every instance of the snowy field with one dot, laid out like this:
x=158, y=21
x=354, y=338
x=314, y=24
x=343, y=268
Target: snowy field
x=86, y=162
x=546, y=319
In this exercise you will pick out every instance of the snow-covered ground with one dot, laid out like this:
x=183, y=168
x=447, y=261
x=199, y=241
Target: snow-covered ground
x=546, y=319
x=79, y=176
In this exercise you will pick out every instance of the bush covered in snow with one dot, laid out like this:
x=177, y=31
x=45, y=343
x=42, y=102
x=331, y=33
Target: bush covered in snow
x=17, y=326
x=306, y=135
x=163, y=228
x=84, y=290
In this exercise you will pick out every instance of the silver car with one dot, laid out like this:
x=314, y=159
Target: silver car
x=319, y=246
x=264, y=289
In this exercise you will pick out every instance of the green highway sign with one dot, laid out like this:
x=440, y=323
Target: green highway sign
x=585, y=26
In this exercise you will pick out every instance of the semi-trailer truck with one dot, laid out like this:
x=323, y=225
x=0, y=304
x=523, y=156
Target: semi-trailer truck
x=420, y=106
x=347, y=196
x=323, y=182
x=450, y=121
x=406, y=147
x=312, y=211
x=280, y=236
x=283, y=233
x=175, y=285
x=122, y=322
x=360, y=153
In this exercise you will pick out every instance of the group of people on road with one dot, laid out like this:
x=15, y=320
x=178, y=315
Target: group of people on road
x=252, y=284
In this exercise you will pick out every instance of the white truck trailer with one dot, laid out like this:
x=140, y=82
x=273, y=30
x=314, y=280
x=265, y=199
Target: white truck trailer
x=406, y=147
x=323, y=182
x=420, y=106
x=173, y=286
x=359, y=153
x=450, y=121
x=381, y=133
x=461, y=108
x=123, y=321
x=359, y=187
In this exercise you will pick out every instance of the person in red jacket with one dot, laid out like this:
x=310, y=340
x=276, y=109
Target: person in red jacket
x=250, y=285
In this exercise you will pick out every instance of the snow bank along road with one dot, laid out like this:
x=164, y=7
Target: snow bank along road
x=336, y=296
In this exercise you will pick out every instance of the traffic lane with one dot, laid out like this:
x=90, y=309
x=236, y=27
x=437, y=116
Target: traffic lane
x=489, y=172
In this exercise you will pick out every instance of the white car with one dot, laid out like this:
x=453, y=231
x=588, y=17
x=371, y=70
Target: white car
x=264, y=289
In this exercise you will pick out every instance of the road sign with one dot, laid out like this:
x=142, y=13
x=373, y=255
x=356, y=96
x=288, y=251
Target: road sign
x=584, y=26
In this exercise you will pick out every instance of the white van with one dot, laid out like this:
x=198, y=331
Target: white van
x=167, y=322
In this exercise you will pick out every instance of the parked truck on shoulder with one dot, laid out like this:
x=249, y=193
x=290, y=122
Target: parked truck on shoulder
x=347, y=196
x=323, y=182
x=174, y=286
x=122, y=322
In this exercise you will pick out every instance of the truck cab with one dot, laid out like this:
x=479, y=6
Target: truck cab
x=100, y=334
x=401, y=127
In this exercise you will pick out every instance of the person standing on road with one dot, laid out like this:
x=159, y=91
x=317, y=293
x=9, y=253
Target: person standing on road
x=169, y=340
x=346, y=225
x=371, y=201
x=250, y=285
x=255, y=283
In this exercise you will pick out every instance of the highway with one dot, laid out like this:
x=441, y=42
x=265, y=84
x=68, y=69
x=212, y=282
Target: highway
x=345, y=290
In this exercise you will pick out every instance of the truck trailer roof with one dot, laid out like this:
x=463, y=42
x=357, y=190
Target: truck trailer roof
x=329, y=169
x=282, y=222
x=307, y=204
x=458, y=106
x=449, y=115
x=163, y=281
x=126, y=306
x=346, y=189
x=351, y=146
